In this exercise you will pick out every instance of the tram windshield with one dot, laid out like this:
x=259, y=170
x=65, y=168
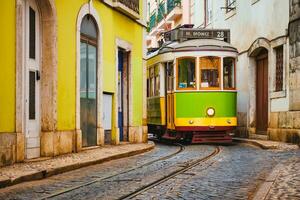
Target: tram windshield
x=210, y=72
x=186, y=73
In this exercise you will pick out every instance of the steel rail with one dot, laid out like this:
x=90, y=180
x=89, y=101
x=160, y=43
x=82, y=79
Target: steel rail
x=172, y=175
x=182, y=148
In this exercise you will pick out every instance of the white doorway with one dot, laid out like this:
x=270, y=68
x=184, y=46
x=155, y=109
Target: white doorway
x=32, y=80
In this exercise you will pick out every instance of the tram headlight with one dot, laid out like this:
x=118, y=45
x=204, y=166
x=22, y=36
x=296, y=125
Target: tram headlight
x=210, y=112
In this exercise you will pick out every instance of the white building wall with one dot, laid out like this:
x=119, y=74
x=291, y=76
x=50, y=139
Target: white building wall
x=198, y=13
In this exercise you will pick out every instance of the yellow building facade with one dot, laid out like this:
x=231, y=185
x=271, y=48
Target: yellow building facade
x=72, y=76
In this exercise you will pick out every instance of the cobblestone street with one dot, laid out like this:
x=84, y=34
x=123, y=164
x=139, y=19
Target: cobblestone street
x=287, y=184
x=236, y=172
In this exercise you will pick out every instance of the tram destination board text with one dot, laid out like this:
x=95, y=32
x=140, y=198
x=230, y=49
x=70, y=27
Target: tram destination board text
x=190, y=33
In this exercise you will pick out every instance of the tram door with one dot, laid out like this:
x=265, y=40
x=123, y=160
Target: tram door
x=262, y=94
x=170, y=95
x=123, y=90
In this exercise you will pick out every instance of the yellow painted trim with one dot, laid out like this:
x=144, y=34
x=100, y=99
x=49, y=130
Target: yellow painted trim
x=207, y=121
x=163, y=110
x=175, y=104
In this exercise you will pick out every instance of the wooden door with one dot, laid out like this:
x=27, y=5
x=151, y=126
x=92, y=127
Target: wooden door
x=262, y=94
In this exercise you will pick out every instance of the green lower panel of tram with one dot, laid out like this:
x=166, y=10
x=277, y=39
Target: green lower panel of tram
x=191, y=108
x=156, y=110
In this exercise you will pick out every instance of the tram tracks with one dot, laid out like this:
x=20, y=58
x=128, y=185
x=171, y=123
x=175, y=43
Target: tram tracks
x=67, y=190
x=172, y=175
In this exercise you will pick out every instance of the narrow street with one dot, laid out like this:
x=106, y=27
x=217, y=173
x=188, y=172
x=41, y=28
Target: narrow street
x=168, y=172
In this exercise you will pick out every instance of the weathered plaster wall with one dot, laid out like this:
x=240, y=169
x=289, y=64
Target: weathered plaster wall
x=114, y=25
x=60, y=138
x=7, y=148
x=7, y=64
x=250, y=21
x=294, y=36
x=7, y=83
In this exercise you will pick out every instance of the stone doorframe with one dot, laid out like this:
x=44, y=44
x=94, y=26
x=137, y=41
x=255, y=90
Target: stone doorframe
x=134, y=133
x=88, y=8
x=253, y=51
x=48, y=64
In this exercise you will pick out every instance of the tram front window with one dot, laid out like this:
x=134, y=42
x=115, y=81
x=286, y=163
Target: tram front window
x=228, y=73
x=186, y=73
x=210, y=72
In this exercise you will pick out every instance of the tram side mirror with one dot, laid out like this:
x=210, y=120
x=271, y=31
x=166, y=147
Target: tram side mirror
x=38, y=75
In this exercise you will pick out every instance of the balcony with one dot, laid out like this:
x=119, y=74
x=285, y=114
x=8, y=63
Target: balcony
x=173, y=9
x=131, y=8
x=171, y=4
x=161, y=19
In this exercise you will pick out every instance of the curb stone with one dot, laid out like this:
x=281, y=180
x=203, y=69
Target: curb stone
x=265, y=187
x=67, y=168
x=256, y=143
x=54, y=171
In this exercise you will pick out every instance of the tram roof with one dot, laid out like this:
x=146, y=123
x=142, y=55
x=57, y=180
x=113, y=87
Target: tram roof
x=194, y=45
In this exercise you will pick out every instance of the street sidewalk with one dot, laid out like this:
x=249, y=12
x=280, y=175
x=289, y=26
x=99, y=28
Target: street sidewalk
x=268, y=144
x=283, y=182
x=45, y=167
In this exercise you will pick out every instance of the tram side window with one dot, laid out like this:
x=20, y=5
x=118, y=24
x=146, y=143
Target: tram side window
x=209, y=72
x=229, y=73
x=156, y=81
x=148, y=83
x=186, y=73
x=151, y=81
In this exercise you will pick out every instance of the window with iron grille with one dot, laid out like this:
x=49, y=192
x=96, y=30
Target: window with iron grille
x=279, y=68
x=230, y=5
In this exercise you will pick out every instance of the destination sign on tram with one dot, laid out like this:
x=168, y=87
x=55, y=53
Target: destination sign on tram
x=191, y=33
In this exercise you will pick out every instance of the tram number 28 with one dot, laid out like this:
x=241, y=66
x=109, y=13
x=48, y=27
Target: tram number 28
x=220, y=34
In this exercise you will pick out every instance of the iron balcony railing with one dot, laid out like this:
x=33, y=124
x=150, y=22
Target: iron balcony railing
x=171, y=4
x=131, y=4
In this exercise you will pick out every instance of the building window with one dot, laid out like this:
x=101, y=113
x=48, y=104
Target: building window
x=208, y=12
x=32, y=32
x=230, y=5
x=279, y=68
x=229, y=73
x=186, y=78
x=210, y=72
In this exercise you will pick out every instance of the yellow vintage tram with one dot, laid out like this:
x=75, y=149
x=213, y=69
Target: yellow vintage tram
x=191, y=86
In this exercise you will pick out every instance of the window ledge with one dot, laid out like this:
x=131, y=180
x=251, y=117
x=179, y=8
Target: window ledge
x=230, y=14
x=277, y=95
